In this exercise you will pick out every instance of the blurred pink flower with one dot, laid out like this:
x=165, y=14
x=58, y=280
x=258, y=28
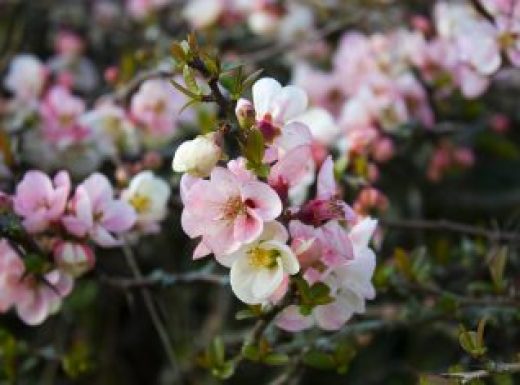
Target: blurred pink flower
x=95, y=213
x=35, y=298
x=156, y=107
x=59, y=112
x=40, y=201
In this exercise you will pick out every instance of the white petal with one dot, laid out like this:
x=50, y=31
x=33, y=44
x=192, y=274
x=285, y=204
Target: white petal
x=362, y=232
x=264, y=91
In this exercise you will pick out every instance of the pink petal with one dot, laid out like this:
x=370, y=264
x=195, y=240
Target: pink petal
x=262, y=199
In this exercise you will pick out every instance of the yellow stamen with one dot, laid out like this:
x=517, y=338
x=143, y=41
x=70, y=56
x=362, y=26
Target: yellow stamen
x=262, y=258
x=141, y=203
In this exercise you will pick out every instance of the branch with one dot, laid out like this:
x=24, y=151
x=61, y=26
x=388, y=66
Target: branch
x=493, y=368
x=163, y=279
x=152, y=310
x=454, y=227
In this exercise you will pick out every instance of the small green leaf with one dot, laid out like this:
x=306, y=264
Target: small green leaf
x=178, y=53
x=189, y=79
x=319, y=360
x=251, y=352
x=276, y=359
x=497, y=266
x=216, y=352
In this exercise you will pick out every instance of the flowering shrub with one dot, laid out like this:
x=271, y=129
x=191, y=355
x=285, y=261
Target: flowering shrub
x=340, y=175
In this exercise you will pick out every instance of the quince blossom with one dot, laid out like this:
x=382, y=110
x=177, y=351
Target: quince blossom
x=227, y=212
x=94, y=212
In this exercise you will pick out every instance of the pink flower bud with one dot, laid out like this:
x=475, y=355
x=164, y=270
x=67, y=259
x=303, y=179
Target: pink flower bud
x=74, y=258
x=383, y=150
x=500, y=123
x=111, y=74
x=464, y=157
x=245, y=113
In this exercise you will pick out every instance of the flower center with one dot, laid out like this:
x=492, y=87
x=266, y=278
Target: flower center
x=66, y=120
x=262, y=258
x=267, y=128
x=141, y=203
x=507, y=40
x=233, y=207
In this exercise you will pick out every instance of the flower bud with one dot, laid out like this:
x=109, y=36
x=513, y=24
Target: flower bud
x=198, y=156
x=245, y=113
x=74, y=258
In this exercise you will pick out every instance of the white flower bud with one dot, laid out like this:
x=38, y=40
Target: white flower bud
x=198, y=156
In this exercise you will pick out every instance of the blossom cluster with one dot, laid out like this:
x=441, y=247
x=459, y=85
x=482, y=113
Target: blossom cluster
x=57, y=125
x=264, y=227
x=63, y=227
x=379, y=84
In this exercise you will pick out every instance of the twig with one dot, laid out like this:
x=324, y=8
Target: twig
x=163, y=279
x=455, y=227
x=154, y=315
x=492, y=369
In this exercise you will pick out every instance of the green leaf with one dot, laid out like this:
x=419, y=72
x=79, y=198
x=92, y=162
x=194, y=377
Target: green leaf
x=276, y=359
x=216, y=352
x=184, y=90
x=224, y=371
x=245, y=314
x=189, y=79
x=251, y=352
x=471, y=342
x=497, y=266
x=178, y=53
x=319, y=360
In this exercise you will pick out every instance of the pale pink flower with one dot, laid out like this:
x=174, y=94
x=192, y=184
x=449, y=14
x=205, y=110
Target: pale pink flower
x=59, y=113
x=140, y=9
x=35, y=298
x=11, y=271
x=275, y=105
x=39, y=298
x=228, y=212
x=68, y=43
x=349, y=282
x=156, y=108
x=95, y=213
x=40, y=201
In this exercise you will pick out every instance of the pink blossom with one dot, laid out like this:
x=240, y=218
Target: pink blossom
x=383, y=150
x=11, y=270
x=349, y=282
x=95, y=213
x=228, y=212
x=39, y=298
x=40, y=201
x=275, y=105
x=156, y=107
x=327, y=205
x=35, y=298
x=139, y=9
x=68, y=43
x=59, y=112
